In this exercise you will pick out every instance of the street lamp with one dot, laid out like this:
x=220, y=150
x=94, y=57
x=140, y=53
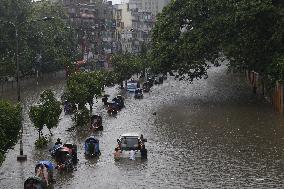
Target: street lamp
x=16, y=27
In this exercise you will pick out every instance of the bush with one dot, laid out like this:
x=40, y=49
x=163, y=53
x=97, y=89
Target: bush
x=82, y=117
x=10, y=125
x=41, y=142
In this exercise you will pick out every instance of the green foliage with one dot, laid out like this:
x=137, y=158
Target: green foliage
x=82, y=117
x=10, y=125
x=41, y=142
x=274, y=71
x=125, y=65
x=191, y=33
x=109, y=77
x=37, y=116
x=46, y=113
x=53, y=39
x=82, y=87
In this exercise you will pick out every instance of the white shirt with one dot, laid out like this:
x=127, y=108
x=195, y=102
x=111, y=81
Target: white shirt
x=132, y=155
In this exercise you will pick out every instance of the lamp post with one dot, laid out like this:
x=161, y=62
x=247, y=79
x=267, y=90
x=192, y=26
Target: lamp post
x=38, y=61
x=16, y=27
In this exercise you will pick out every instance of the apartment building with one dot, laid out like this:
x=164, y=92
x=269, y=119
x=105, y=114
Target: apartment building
x=93, y=20
x=153, y=6
x=133, y=27
x=122, y=14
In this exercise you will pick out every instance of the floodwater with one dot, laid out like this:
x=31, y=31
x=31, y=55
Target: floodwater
x=213, y=133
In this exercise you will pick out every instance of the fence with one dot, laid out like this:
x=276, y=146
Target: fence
x=275, y=96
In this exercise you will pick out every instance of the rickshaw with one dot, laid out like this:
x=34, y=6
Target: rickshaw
x=35, y=183
x=69, y=108
x=150, y=80
x=92, y=147
x=66, y=157
x=165, y=77
x=105, y=99
x=138, y=94
x=73, y=147
x=146, y=86
x=158, y=80
x=161, y=80
x=119, y=101
x=96, y=123
x=54, y=149
x=112, y=108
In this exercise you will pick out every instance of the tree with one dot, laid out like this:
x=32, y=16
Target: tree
x=109, y=78
x=191, y=34
x=10, y=125
x=46, y=113
x=124, y=66
x=54, y=40
x=184, y=39
x=16, y=11
x=82, y=88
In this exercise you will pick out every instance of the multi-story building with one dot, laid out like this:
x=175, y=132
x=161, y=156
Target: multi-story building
x=93, y=20
x=133, y=27
x=142, y=24
x=123, y=17
x=104, y=28
x=153, y=6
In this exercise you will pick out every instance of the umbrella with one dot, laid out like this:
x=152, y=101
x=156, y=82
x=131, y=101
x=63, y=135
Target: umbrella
x=47, y=163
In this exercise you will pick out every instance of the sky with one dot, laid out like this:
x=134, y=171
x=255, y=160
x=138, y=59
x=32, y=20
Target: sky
x=116, y=1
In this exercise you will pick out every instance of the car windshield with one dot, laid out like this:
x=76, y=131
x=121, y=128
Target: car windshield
x=129, y=143
x=131, y=86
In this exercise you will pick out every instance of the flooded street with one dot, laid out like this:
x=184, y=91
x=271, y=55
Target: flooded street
x=213, y=133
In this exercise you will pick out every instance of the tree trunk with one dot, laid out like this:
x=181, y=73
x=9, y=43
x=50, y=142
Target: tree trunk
x=121, y=85
x=80, y=106
x=39, y=131
x=262, y=84
x=50, y=132
x=254, y=89
x=91, y=108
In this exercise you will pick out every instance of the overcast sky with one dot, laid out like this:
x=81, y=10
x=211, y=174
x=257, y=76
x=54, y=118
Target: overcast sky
x=116, y=1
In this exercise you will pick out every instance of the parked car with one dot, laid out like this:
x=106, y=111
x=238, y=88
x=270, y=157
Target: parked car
x=131, y=86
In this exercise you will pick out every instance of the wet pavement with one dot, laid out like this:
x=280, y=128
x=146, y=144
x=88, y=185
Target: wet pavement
x=213, y=133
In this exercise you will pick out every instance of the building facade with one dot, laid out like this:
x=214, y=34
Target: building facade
x=133, y=27
x=104, y=29
x=153, y=6
x=95, y=26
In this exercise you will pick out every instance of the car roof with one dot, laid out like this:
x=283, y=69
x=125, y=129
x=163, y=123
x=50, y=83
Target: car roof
x=130, y=135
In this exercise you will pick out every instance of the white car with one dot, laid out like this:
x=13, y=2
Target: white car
x=130, y=142
x=131, y=86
